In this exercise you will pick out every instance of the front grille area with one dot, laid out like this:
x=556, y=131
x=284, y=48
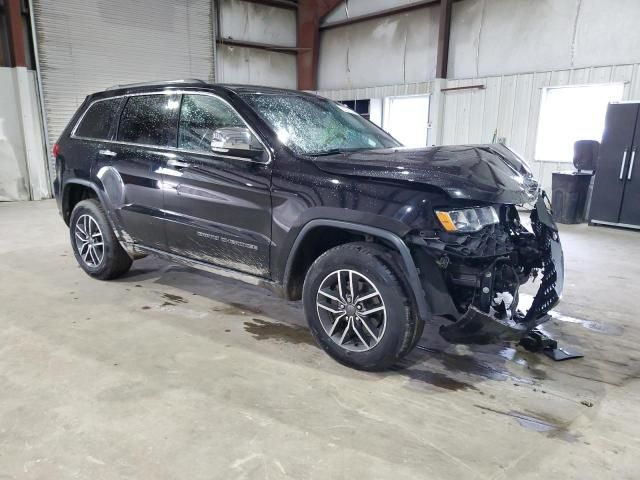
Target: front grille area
x=491, y=241
x=547, y=296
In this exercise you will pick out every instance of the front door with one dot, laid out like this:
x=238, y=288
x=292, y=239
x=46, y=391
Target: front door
x=218, y=205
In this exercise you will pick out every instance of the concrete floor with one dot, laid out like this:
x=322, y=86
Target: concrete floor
x=172, y=373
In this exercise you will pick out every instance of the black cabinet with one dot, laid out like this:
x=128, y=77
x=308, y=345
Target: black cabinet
x=616, y=190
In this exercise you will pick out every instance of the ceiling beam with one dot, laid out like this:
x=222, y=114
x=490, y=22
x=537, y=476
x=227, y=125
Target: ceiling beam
x=260, y=46
x=444, y=34
x=276, y=3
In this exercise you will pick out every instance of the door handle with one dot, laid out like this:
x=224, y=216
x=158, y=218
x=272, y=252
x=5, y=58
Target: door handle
x=631, y=162
x=172, y=162
x=624, y=162
x=107, y=153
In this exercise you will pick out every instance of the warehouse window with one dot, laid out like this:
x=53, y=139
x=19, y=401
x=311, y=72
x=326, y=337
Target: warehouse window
x=358, y=106
x=568, y=114
x=407, y=119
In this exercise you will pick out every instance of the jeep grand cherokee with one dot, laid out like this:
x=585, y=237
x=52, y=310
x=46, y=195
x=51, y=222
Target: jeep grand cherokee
x=298, y=193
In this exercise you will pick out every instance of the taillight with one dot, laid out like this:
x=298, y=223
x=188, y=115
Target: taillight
x=56, y=150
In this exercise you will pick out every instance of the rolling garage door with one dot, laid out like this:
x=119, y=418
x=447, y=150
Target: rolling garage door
x=88, y=45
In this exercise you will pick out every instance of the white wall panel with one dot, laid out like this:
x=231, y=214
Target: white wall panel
x=253, y=22
x=607, y=33
x=256, y=67
x=356, y=8
x=511, y=104
x=488, y=38
x=23, y=172
x=13, y=168
x=495, y=37
x=247, y=21
x=392, y=50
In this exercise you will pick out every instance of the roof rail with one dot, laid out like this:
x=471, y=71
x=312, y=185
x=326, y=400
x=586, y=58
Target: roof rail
x=157, y=82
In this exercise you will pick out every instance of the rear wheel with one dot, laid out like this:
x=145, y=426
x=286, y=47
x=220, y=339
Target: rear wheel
x=94, y=243
x=357, y=308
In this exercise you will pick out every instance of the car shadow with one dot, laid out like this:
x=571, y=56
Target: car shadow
x=433, y=362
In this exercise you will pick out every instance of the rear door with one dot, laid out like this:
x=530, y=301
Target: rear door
x=218, y=203
x=93, y=134
x=146, y=136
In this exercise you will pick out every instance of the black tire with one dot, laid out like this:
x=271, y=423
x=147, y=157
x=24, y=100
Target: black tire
x=108, y=260
x=395, y=325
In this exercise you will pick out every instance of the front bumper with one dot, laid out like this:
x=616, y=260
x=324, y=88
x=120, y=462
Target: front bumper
x=484, y=322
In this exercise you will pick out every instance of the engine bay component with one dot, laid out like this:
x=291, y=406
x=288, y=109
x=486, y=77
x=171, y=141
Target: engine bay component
x=490, y=297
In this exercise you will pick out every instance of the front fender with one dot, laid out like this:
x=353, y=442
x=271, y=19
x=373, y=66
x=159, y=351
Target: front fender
x=408, y=266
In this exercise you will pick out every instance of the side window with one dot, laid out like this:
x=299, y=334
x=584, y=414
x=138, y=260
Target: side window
x=150, y=120
x=96, y=122
x=200, y=117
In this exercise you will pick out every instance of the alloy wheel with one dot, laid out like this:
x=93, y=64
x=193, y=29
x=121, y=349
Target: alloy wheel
x=351, y=310
x=89, y=240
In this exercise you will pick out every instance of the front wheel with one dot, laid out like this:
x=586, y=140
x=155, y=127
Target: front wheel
x=95, y=246
x=357, y=308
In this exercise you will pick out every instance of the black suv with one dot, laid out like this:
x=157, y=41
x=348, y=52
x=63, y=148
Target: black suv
x=295, y=192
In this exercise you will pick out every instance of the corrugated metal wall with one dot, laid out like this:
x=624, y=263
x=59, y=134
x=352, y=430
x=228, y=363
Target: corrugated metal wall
x=423, y=88
x=88, y=45
x=511, y=104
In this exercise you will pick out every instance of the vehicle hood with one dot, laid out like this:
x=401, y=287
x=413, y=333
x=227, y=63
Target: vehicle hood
x=488, y=173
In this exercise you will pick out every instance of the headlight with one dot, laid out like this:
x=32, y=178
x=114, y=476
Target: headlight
x=468, y=219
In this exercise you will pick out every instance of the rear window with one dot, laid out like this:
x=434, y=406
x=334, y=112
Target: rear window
x=150, y=120
x=96, y=122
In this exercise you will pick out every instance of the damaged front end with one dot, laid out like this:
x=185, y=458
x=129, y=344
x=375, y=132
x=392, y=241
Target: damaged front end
x=474, y=280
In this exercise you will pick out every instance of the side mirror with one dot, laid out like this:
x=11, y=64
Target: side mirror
x=237, y=141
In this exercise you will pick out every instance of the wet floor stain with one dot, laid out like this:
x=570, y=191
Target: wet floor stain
x=524, y=359
x=280, y=332
x=537, y=422
x=168, y=304
x=146, y=307
x=174, y=298
x=604, y=328
x=470, y=365
x=233, y=308
x=439, y=380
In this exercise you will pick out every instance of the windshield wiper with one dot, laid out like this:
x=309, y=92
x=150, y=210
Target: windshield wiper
x=334, y=151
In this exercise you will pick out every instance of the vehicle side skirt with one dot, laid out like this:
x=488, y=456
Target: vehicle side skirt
x=207, y=267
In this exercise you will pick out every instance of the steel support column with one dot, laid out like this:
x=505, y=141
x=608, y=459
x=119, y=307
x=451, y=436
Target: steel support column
x=16, y=36
x=310, y=13
x=444, y=33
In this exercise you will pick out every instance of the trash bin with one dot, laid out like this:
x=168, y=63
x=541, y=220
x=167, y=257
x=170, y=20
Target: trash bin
x=570, y=190
x=569, y=196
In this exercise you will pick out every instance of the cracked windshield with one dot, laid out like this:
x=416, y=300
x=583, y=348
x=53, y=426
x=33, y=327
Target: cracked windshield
x=314, y=126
